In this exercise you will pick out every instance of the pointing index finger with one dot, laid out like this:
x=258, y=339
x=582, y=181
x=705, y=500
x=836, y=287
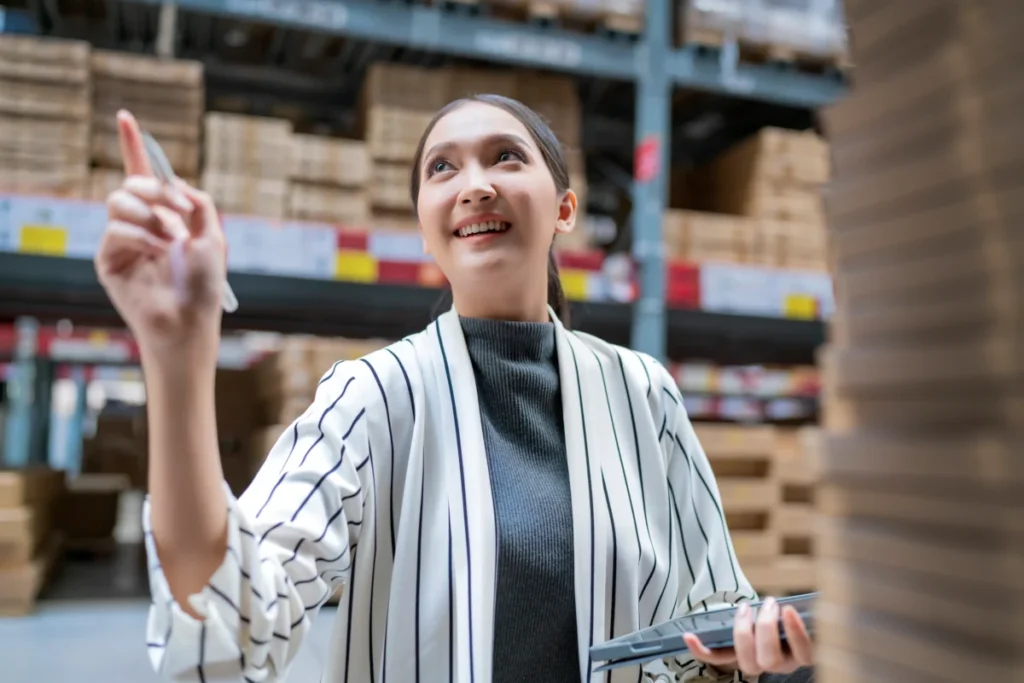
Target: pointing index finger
x=133, y=152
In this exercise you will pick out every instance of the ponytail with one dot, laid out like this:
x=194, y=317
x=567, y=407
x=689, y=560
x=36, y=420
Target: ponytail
x=556, y=295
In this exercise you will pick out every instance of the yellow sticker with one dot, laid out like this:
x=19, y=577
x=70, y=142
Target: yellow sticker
x=46, y=240
x=355, y=266
x=574, y=284
x=801, y=307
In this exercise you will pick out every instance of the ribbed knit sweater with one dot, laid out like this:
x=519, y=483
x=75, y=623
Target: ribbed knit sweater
x=516, y=370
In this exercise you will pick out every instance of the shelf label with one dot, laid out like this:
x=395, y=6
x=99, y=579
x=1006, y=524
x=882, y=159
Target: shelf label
x=800, y=307
x=45, y=240
x=355, y=266
x=575, y=284
x=647, y=159
x=322, y=15
x=542, y=50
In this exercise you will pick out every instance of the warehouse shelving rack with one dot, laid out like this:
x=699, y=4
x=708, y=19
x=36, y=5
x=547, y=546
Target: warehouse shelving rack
x=651, y=63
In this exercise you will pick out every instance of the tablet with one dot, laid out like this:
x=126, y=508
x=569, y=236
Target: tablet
x=714, y=629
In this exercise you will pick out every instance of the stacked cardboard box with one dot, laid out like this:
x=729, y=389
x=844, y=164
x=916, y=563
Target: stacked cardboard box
x=922, y=461
x=766, y=476
x=44, y=116
x=775, y=177
x=247, y=163
x=329, y=180
x=29, y=548
x=166, y=96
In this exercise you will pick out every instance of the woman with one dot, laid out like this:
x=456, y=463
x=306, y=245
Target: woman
x=516, y=492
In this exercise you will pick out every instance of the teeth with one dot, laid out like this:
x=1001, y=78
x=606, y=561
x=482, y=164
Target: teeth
x=490, y=226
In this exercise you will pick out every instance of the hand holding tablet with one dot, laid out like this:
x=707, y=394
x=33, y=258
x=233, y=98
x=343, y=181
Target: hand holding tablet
x=766, y=637
x=775, y=640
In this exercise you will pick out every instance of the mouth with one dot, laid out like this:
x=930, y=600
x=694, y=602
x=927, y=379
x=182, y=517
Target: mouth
x=483, y=228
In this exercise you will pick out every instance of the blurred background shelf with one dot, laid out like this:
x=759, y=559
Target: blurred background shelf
x=691, y=135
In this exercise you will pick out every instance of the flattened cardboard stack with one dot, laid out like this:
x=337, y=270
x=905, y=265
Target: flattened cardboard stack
x=167, y=98
x=44, y=116
x=923, y=465
x=246, y=163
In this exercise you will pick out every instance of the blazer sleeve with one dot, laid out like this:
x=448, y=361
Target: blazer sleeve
x=291, y=536
x=699, y=529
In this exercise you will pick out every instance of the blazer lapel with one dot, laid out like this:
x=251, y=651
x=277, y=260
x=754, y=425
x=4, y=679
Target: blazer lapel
x=585, y=443
x=471, y=510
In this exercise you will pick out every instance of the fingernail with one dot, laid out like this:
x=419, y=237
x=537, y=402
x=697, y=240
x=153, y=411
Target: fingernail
x=744, y=610
x=770, y=603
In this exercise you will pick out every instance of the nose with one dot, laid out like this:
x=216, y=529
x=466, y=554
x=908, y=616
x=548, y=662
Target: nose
x=477, y=188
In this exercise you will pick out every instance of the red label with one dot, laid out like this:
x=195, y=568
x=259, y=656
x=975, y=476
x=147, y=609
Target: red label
x=646, y=159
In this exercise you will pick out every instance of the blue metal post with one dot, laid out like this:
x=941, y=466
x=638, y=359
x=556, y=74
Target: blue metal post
x=21, y=394
x=653, y=119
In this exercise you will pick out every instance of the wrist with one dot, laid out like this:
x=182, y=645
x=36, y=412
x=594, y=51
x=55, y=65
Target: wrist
x=180, y=357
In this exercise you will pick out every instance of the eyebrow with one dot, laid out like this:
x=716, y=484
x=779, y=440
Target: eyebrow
x=490, y=140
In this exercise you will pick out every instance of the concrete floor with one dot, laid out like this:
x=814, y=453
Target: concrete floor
x=90, y=627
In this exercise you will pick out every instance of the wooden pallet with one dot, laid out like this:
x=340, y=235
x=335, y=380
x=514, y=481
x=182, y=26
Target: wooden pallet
x=615, y=25
x=750, y=51
x=766, y=481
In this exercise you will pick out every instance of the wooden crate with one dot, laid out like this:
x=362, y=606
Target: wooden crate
x=183, y=154
x=465, y=81
x=147, y=70
x=265, y=197
x=392, y=133
x=307, y=201
x=410, y=88
x=703, y=236
x=66, y=182
x=28, y=543
x=103, y=181
x=247, y=146
x=329, y=161
x=388, y=189
x=166, y=96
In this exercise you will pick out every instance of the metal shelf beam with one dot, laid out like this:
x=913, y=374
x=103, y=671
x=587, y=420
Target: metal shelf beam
x=440, y=31
x=53, y=288
x=653, y=134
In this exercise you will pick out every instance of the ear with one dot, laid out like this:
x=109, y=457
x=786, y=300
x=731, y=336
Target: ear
x=567, y=213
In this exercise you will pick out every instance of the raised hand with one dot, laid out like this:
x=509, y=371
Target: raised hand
x=162, y=258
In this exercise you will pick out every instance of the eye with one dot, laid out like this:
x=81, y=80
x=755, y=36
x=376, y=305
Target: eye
x=511, y=155
x=437, y=166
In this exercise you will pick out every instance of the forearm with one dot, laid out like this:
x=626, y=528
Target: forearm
x=187, y=500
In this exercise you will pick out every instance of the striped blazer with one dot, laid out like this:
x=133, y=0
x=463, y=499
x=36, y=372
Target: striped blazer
x=382, y=485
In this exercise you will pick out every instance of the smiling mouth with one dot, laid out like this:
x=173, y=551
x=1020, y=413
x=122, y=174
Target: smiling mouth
x=483, y=228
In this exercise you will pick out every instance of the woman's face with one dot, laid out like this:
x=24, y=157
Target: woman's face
x=488, y=207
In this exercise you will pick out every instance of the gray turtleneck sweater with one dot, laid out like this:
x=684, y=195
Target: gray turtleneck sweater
x=516, y=370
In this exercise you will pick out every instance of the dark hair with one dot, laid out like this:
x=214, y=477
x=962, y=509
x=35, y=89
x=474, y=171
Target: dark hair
x=550, y=150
